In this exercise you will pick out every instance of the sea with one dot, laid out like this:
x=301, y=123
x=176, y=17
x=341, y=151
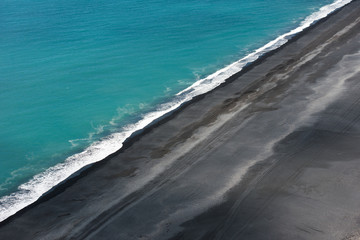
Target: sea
x=77, y=78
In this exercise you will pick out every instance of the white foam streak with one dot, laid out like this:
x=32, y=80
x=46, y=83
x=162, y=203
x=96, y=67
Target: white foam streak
x=215, y=79
x=31, y=191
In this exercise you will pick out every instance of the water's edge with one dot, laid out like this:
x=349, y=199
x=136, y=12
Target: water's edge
x=56, y=179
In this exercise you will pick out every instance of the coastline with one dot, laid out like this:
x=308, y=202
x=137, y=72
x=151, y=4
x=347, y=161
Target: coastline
x=44, y=183
x=174, y=138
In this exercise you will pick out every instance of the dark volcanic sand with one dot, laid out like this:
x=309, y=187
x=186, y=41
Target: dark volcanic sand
x=272, y=154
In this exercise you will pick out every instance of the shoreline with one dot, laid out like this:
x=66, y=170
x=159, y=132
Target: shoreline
x=246, y=91
x=258, y=54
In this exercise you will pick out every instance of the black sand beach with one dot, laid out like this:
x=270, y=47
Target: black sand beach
x=272, y=154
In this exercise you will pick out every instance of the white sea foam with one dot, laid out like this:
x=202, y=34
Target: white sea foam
x=31, y=191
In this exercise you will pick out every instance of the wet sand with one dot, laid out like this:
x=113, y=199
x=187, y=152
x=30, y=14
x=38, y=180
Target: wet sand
x=272, y=154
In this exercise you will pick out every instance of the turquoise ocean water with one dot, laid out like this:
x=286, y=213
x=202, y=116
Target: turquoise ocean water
x=78, y=77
